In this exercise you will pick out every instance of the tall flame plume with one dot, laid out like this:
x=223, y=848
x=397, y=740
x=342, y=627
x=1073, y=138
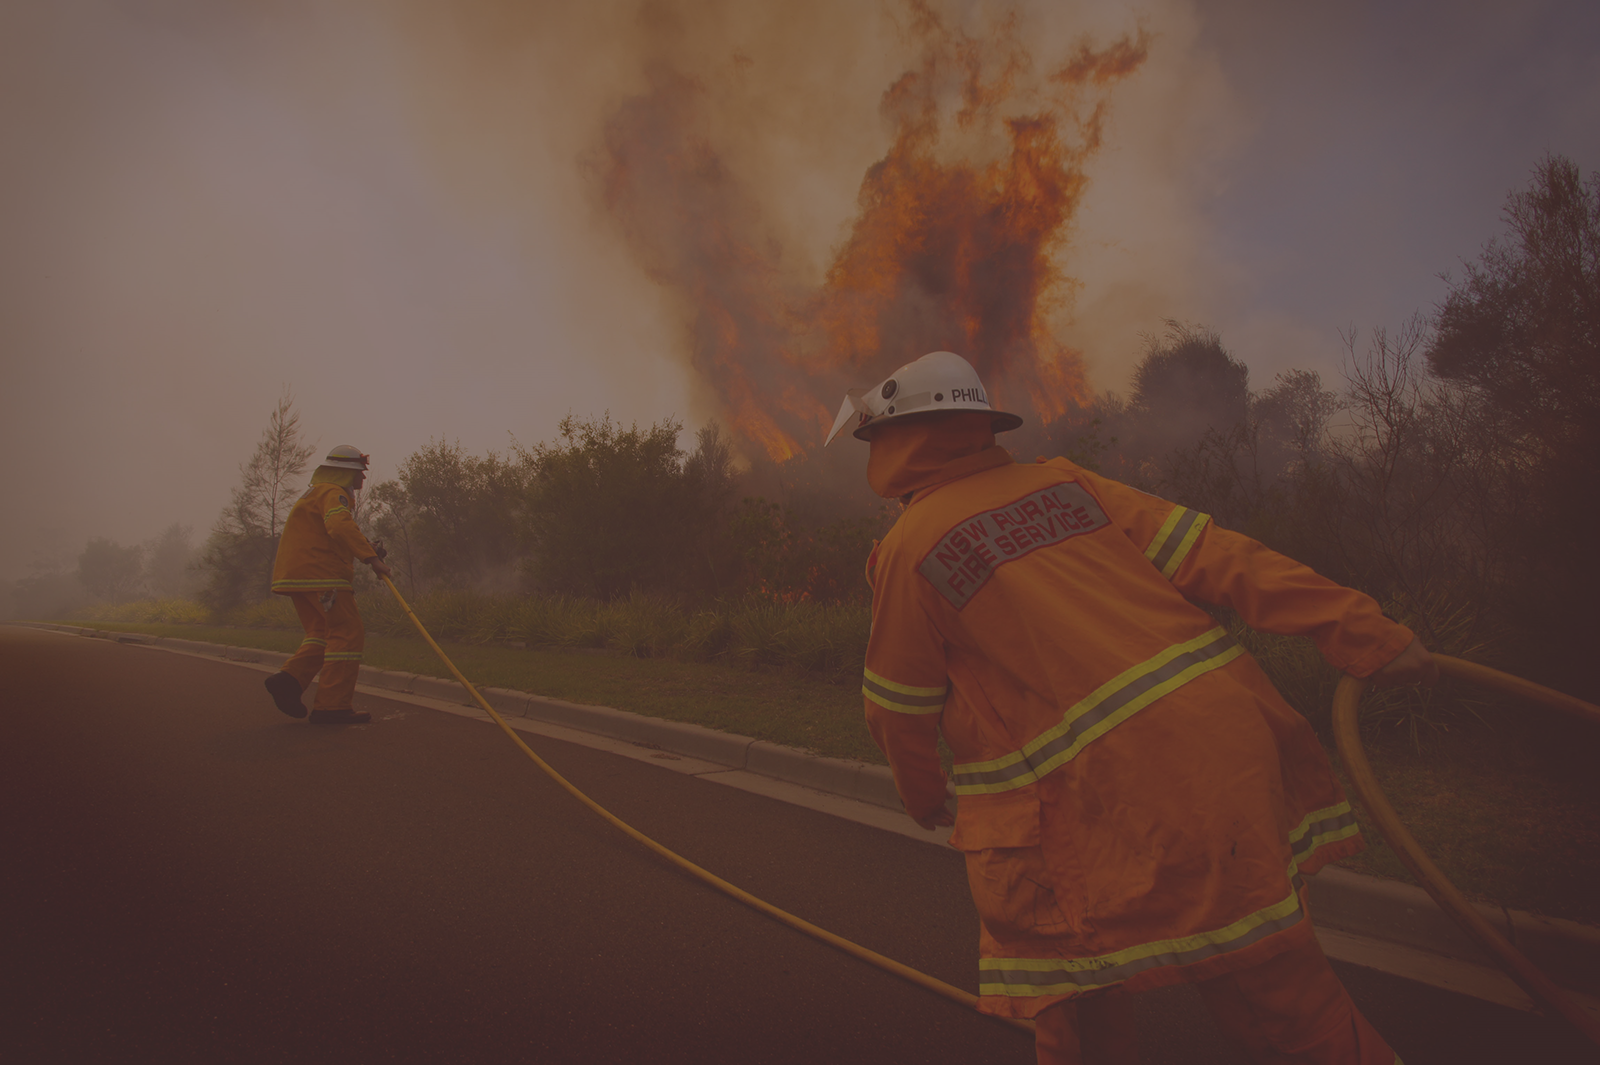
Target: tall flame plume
x=958, y=243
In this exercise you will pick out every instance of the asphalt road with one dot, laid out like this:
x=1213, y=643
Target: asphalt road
x=189, y=876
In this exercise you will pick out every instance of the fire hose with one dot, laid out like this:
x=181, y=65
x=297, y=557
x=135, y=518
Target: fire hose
x=872, y=957
x=1347, y=735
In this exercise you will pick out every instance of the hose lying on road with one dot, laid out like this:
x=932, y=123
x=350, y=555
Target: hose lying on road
x=938, y=987
x=1348, y=736
x=1346, y=733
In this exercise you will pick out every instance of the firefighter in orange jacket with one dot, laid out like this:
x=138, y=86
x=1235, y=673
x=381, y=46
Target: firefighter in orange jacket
x=1137, y=805
x=314, y=568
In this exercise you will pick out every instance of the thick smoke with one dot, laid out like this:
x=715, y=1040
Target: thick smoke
x=396, y=208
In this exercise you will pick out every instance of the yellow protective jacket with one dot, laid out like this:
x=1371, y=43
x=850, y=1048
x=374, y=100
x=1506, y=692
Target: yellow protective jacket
x=320, y=543
x=1136, y=802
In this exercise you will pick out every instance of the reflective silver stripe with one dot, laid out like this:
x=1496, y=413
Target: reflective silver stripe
x=342, y=656
x=1102, y=710
x=1034, y=977
x=885, y=696
x=1174, y=540
x=902, y=698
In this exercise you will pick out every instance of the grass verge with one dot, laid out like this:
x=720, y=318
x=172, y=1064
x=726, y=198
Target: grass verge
x=1513, y=819
x=1511, y=814
x=783, y=705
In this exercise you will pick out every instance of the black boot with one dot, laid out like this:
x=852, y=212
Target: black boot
x=285, y=692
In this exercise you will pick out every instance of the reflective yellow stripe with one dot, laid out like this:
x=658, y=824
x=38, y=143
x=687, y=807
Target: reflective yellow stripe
x=335, y=510
x=1026, y=977
x=1098, y=713
x=315, y=640
x=1320, y=828
x=1162, y=533
x=1174, y=540
x=342, y=656
x=1034, y=977
x=315, y=584
x=902, y=698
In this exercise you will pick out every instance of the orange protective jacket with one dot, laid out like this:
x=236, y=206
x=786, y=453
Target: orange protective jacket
x=1136, y=802
x=320, y=543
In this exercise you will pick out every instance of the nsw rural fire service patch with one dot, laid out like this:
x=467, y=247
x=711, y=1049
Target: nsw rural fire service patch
x=966, y=557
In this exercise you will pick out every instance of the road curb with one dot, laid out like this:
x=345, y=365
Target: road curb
x=1394, y=912
x=1361, y=905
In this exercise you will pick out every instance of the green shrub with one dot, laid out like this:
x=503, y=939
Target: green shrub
x=150, y=612
x=273, y=612
x=563, y=621
x=381, y=614
x=541, y=619
x=823, y=639
x=757, y=633
x=706, y=635
x=830, y=640
x=645, y=626
x=468, y=616
x=1446, y=624
x=1450, y=624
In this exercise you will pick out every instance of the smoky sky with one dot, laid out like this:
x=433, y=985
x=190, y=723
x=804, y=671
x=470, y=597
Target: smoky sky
x=388, y=208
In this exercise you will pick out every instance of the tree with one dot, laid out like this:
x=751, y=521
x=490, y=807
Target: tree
x=169, y=563
x=1522, y=329
x=1190, y=381
x=1520, y=335
x=1292, y=417
x=1399, y=517
x=266, y=490
x=238, y=554
x=48, y=591
x=1186, y=384
x=454, y=516
x=613, y=509
x=784, y=561
x=394, y=518
x=109, y=570
x=708, y=481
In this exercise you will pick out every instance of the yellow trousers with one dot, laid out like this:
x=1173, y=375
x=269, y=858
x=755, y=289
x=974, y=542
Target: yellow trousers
x=333, y=644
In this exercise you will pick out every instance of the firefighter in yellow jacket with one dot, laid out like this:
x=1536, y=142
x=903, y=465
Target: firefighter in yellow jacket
x=314, y=568
x=1137, y=805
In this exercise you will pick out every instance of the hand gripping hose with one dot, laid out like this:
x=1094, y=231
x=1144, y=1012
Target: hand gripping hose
x=872, y=957
x=1348, y=737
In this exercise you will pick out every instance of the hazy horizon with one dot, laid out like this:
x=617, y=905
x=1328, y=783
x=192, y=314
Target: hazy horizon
x=391, y=211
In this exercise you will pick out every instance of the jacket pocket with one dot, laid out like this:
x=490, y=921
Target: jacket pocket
x=1013, y=891
x=1005, y=819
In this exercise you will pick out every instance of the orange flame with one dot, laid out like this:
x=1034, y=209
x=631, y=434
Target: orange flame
x=948, y=253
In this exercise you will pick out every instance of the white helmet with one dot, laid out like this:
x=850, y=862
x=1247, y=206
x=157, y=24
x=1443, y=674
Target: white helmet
x=938, y=382
x=345, y=457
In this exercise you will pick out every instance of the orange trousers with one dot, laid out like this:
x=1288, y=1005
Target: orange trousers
x=333, y=643
x=1289, y=1010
